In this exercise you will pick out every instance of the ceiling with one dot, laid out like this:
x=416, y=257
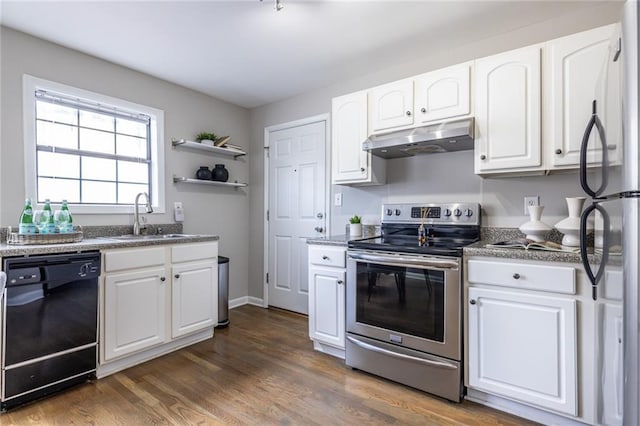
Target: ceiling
x=246, y=53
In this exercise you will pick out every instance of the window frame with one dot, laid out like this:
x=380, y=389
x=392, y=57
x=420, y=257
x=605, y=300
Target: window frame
x=156, y=128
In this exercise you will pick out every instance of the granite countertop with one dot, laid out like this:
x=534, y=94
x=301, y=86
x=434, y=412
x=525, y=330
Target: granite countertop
x=337, y=240
x=94, y=241
x=479, y=249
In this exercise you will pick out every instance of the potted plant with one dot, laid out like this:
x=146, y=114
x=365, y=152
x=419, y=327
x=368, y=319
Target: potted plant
x=355, y=226
x=206, y=138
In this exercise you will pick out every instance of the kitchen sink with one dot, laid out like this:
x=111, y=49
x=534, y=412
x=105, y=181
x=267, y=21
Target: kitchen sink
x=149, y=236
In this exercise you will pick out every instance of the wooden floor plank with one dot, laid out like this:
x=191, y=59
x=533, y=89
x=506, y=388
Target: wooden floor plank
x=261, y=370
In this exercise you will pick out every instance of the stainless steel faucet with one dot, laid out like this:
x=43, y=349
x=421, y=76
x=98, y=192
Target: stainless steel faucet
x=136, y=212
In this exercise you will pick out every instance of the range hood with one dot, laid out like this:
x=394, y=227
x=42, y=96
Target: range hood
x=442, y=137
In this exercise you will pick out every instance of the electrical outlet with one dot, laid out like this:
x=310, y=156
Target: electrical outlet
x=337, y=201
x=533, y=200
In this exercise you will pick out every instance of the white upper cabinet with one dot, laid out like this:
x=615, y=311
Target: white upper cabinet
x=391, y=106
x=350, y=164
x=574, y=67
x=507, y=108
x=443, y=94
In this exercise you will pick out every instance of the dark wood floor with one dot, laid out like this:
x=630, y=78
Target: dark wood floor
x=261, y=370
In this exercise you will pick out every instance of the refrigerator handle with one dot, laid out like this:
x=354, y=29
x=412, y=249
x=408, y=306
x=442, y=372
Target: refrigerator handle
x=604, y=256
x=593, y=121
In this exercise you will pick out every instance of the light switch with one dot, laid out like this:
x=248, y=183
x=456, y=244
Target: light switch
x=337, y=201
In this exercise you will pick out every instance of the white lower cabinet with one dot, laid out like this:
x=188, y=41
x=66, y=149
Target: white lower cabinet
x=530, y=340
x=153, y=296
x=193, y=299
x=327, y=298
x=523, y=346
x=135, y=311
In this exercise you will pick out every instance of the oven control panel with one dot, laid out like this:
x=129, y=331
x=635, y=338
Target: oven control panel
x=432, y=213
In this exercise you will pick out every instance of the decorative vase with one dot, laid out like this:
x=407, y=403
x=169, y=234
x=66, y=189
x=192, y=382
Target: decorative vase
x=220, y=173
x=570, y=226
x=207, y=142
x=203, y=173
x=355, y=229
x=535, y=229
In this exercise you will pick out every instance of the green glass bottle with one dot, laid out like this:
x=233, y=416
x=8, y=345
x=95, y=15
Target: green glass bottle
x=26, y=225
x=65, y=220
x=50, y=224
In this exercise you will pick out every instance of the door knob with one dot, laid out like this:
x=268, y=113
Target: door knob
x=318, y=229
x=319, y=215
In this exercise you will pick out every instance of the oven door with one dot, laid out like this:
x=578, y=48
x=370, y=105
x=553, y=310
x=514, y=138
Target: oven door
x=407, y=300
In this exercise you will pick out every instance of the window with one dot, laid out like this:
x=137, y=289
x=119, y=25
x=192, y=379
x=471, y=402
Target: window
x=95, y=151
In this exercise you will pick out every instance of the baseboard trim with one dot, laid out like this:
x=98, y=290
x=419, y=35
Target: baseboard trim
x=246, y=300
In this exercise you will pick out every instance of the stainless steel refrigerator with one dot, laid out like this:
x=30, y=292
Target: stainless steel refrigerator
x=610, y=255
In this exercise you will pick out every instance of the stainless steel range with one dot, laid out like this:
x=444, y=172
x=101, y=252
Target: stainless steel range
x=404, y=296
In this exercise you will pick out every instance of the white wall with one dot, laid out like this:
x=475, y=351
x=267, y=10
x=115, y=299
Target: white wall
x=439, y=177
x=210, y=210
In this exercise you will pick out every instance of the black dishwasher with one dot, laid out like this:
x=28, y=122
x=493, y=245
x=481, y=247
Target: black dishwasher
x=50, y=324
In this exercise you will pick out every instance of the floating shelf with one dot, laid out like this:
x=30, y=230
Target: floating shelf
x=184, y=143
x=181, y=179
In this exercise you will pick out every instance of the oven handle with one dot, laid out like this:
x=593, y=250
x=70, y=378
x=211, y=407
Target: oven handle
x=406, y=261
x=383, y=351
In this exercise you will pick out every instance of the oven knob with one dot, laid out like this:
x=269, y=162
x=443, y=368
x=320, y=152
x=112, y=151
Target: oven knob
x=398, y=212
x=389, y=212
x=468, y=213
x=457, y=213
x=447, y=212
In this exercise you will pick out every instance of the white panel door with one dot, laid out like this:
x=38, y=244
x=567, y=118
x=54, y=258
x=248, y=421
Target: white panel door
x=443, y=94
x=326, y=305
x=572, y=67
x=135, y=311
x=348, y=131
x=391, y=106
x=194, y=297
x=523, y=346
x=297, y=210
x=507, y=108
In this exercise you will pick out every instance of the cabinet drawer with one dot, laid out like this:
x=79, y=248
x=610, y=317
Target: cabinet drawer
x=556, y=279
x=328, y=256
x=118, y=260
x=196, y=251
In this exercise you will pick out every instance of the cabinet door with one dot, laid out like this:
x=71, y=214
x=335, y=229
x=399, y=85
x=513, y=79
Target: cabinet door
x=573, y=65
x=326, y=305
x=610, y=364
x=135, y=309
x=194, y=302
x=443, y=94
x=350, y=164
x=507, y=108
x=391, y=106
x=523, y=346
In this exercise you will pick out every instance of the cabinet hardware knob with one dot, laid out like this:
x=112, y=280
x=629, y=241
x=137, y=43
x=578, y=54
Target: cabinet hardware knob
x=516, y=276
x=162, y=278
x=340, y=282
x=408, y=113
x=177, y=275
x=483, y=157
x=325, y=257
x=423, y=110
x=318, y=228
x=362, y=169
x=472, y=301
x=558, y=151
x=319, y=215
